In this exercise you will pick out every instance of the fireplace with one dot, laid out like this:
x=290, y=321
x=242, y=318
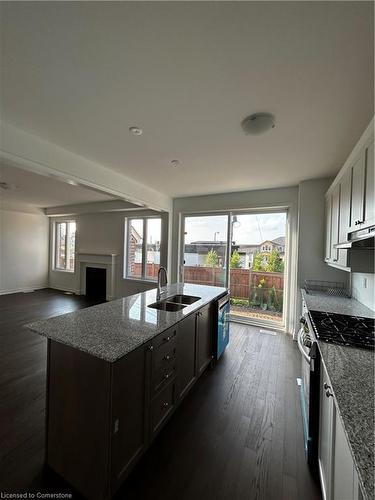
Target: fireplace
x=96, y=283
x=98, y=272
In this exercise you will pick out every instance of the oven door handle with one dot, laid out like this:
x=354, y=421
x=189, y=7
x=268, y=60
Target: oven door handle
x=300, y=346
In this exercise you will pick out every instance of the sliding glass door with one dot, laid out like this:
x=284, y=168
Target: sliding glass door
x=258, y=266
x=244, y=251
x=205, y=250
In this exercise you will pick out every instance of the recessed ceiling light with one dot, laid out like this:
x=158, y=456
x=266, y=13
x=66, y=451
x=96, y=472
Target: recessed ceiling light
x=258, y=123
x=135, y=130
x=175, y=163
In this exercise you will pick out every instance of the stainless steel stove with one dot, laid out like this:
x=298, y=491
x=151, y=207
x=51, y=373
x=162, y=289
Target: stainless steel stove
x=342, y=329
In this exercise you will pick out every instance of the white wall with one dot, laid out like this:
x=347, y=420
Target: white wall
x=311, y=227
x=23, y=251
x=363, y=289
x=267, y=198
x=102, y=233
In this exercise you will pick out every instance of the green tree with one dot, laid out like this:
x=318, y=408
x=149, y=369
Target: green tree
x=258, y=262
x=235, y=260
x=212, y=259
x=275, y=263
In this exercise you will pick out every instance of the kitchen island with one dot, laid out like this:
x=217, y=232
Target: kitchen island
x=115, y=374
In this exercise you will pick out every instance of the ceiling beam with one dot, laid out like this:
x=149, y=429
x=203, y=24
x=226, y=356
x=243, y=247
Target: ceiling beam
x=33, y=153
x=93, y=207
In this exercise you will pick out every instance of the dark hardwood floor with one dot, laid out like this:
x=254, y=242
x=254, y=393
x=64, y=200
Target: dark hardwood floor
x=23, y=357
x=237, y=435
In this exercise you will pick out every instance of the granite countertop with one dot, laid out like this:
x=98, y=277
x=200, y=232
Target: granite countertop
x=340, y=305
x=113, y=329
x=351, y=372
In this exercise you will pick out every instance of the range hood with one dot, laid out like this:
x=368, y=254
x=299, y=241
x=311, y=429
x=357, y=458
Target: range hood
x=363, y=238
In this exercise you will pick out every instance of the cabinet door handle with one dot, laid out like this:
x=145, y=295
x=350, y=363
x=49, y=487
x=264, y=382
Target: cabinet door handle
x=199, y=313
x=167, y=339
x=151, y=348
x=166, y=377
x=165, y=405
x=167, y=357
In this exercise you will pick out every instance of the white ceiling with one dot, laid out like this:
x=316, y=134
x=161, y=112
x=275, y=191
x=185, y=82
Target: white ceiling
x=80, y=73
x=33, y=192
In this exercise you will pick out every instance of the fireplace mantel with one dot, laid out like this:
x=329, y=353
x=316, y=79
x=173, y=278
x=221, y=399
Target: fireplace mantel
x=106, y=261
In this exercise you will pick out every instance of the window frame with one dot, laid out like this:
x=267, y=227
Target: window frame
x=56, y=246
x=143, y=276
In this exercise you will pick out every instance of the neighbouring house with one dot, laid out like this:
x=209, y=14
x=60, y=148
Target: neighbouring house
x=247, y=252
x=136, y=250
x=196, y=251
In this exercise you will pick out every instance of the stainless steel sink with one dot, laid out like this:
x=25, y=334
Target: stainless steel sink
x=183, y=299
x=164, y=305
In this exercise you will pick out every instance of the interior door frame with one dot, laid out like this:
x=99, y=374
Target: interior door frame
x=289, y=271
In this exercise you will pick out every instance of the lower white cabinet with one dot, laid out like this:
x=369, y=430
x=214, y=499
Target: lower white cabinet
x=327, y=417
x=338, y=476
x=345, y=480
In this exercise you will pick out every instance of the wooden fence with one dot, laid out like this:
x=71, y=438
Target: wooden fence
x=243, y=282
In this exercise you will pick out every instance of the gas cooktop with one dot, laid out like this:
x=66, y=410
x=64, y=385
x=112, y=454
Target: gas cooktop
x=341, y=329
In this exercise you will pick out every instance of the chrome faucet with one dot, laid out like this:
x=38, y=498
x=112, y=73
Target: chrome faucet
x=162, y=270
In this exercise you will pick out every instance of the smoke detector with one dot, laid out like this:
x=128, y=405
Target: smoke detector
x=258, y=123
x=135, y=130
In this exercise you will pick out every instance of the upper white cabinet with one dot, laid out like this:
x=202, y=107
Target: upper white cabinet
x=358, y=191
x=369, y=215
x=345, y=205
x=350, y=201
x=328, y=226
x=335, y=222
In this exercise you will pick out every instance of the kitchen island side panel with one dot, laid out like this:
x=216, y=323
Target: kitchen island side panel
x=78, y=409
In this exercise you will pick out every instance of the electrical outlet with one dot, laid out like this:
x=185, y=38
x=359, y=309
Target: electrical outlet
x=364, y=282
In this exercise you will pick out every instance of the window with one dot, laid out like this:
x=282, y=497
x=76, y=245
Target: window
x=65, y=243
x=143, y=237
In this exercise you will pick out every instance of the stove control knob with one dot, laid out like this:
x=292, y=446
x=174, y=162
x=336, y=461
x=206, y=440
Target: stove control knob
x=329, y=393
x=326, y=386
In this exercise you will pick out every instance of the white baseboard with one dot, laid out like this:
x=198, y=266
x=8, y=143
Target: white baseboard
x=65, y=289
x=23, y=290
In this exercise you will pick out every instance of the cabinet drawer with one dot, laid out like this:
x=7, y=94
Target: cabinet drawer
x=164, y=355
x=162, y=377
x=167, y=337
x=162, y=405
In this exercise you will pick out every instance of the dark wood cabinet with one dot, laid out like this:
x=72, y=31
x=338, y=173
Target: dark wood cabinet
x=129, y=431
x=161, y=407
x=163, y=359
x=204, y=337
x=102, y=416
x=186, y=356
